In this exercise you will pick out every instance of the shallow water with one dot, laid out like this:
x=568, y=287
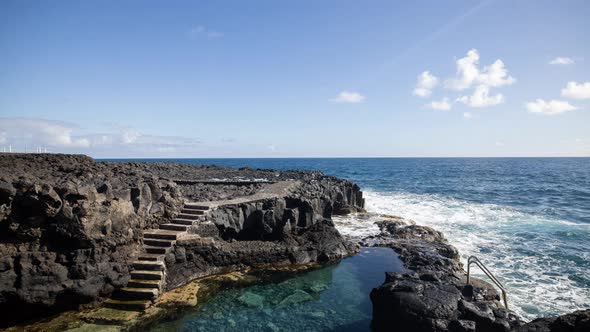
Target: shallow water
x=331, y=298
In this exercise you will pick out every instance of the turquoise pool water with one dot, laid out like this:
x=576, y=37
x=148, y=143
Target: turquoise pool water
x=331, y=298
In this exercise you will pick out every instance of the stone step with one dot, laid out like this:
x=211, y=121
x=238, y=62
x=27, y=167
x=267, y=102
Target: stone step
x=140, y=283
x=132, y=293
x=193, y=211
x=175, y=227
x=195, y=206
x=183, y=221
x=138, y=305
x=156, y=250
x=161, y=234
x=150, y=257
x=187, y=216
x=158, y=243
x=148, y=265
x=147, y=275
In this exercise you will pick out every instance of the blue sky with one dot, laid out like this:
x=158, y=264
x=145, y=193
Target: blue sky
x=296, y=78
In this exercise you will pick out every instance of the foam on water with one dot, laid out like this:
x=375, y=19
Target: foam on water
x=544, y=262
x=356, y=226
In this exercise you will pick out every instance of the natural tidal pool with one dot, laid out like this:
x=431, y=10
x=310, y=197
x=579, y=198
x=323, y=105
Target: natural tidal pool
x=335, y=297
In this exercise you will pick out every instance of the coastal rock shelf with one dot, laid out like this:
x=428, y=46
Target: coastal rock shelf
x=75, y=232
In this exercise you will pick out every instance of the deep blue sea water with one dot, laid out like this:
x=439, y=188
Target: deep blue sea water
x=527, y=219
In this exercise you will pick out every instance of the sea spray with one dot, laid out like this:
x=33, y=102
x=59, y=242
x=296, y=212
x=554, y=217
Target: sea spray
x=543, y=261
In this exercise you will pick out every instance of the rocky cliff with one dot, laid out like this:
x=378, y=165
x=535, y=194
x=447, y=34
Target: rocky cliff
x=70, y=226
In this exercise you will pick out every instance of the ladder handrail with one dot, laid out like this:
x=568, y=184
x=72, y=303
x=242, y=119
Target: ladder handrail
x=476, y=261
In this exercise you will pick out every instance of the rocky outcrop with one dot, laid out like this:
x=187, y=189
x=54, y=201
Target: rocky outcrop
x=285, y=223
x=434, y=295
x=285, y=208
x=577, y=321
x=198, y=257
x=67, y=241
x=70, y=226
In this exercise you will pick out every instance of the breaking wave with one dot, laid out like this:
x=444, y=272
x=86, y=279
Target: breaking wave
x=544, y=262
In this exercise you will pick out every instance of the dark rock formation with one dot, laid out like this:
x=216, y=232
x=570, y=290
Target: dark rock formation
x=198, y=257
x=434, y=296
x=70, y=226
x=577, y=321
x=68, y=230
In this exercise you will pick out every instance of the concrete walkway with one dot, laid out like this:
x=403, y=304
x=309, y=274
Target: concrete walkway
x=277, y=189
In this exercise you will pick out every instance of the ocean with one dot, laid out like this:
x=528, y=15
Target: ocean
x=527, y=219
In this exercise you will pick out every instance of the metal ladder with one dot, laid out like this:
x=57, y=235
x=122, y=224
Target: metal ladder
x=476, y=261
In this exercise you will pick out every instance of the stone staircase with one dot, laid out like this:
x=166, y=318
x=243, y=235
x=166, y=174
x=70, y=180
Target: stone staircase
x=148, y=275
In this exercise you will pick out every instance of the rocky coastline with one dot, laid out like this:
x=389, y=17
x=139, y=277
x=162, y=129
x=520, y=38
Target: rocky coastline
x=70, y=227
x=435, y=295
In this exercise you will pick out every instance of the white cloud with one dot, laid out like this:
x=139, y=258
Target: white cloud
x=201, y=31
x=496, y=75
x=469, y=74
x=41, y=132
x=425, y=83
x=59, y=136
x=576, y=90
x=129, y=137
x=562, y=61
x=441, y=105
x=467, y=115
x=552, y=107
x=481, y=98
x=350, y=97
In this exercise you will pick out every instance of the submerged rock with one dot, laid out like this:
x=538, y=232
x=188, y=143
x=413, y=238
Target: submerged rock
x=298, y=296
x=250, y=299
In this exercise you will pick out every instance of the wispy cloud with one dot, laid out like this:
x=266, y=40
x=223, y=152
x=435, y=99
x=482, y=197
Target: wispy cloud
x=576, y=90
x=552, y=107
x=441, y=105
x=201, y=31
x=349, y=97
x=59, y=136
x=41, y=132
x=562, y=61
x=425, y=83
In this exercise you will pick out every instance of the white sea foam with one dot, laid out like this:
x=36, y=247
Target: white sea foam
x=356, y=226
x=543, y=262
